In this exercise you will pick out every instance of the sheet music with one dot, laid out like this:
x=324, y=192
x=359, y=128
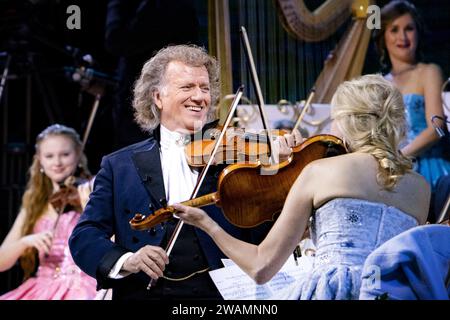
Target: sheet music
x=235, y=284
x=227, y=262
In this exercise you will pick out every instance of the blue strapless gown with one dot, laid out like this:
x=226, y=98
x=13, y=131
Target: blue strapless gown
x=345, y=231
x=434, y=162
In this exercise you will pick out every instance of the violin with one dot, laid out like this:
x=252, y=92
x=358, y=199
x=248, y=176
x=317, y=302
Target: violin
x=236, y=146
x=244, y=190
x=67, y=197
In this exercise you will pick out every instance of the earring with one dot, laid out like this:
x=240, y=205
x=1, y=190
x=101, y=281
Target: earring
x=41, y=170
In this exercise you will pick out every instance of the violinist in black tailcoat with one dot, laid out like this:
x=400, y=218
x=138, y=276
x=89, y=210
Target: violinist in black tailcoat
x=173, y=98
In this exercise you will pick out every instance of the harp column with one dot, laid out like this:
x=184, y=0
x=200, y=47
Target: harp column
x=220, y=47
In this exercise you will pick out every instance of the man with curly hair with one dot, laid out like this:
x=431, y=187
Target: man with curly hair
x=173, y=98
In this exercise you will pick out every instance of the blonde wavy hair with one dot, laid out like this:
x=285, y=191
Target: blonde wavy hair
x=39, y=189
x=146, y=113
x=370, y=114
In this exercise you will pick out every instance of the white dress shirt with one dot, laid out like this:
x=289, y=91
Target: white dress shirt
x=179, y=180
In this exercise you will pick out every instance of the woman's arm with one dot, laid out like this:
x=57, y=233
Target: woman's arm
x=432, y=83
x=264, y=261
x=14, y=244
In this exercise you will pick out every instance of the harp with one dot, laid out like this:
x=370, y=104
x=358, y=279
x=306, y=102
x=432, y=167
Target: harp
x=343, y=63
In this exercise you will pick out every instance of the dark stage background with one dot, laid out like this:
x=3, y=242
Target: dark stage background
x=40, y=89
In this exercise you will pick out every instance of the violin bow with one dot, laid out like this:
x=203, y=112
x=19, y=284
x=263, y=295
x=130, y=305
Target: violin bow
x=87, y=131
x=259, y=96
x=173, y=238
x=305, y=108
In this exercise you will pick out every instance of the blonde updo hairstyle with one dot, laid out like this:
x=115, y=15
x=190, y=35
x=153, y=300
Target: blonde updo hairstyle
x=146, y=113
x=370, y=114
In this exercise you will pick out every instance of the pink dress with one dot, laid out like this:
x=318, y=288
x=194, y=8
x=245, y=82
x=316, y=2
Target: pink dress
x=57, y=278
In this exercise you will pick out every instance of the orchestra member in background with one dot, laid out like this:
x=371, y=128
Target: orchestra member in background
x=39, y=237
x=400, y=42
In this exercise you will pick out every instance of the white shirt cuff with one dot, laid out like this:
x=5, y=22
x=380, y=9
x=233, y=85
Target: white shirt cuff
x=115, y=272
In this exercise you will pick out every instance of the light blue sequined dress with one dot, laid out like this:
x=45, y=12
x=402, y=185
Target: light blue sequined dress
x=434, y=162
x=345, y=231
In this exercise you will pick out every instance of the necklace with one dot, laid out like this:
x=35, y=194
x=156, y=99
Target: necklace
x=398, y=73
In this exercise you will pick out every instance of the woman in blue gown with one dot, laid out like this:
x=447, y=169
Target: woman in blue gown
x=356, y=201
x=399, y=43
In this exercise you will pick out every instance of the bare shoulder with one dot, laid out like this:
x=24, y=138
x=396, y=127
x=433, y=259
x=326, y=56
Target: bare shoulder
x=325, y=166
x=350, y=175
x=330, y=171
x=324, y=162
x=418, y=182
x=429, y=71
x=315, y=172
x=416, y=194
x=343, y=162
x=429, y=67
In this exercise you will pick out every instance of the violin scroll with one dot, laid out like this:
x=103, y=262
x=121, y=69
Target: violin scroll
x=142, y=222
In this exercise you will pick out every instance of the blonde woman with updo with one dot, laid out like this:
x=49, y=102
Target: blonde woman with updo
x=357, y=201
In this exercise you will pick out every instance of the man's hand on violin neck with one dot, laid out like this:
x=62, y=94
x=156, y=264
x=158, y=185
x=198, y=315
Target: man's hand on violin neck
x=150, y=259
x=283, y=144
x=239, y=146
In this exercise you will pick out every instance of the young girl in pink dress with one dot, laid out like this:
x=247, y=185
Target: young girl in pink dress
x=39, y=232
